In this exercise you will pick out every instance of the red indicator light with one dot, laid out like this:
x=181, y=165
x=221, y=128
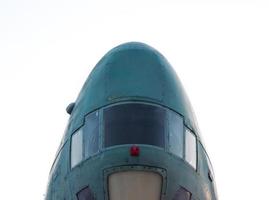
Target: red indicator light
x=134, y=150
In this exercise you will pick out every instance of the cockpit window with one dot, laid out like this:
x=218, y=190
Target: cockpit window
x=176, y=130
x=134, y=124
x=85, y=141
x=85, y=194
x=77, y=147
x=182, y=194
x=190, y=148
x=91, y=134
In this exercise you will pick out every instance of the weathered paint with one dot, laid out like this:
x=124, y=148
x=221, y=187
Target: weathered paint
x=130, y=72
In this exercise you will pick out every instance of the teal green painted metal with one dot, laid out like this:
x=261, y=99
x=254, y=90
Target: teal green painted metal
x=132, y=71
x=129, y=72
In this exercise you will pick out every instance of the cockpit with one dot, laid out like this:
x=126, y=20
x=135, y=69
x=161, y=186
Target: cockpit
x=133, y=123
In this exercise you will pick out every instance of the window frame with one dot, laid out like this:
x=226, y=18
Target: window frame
x=160, y=171
x=84, y=158
x=85, y=191
x=183, y=191
x=196, y=148
x=165, y=136
x=99, y=133
x=169, y=146
x=166, y=148
x=71, y=147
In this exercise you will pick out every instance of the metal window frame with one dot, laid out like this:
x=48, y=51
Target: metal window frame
x=166, y=148
x=196, y=148
x=103, y=148
x=162, y=172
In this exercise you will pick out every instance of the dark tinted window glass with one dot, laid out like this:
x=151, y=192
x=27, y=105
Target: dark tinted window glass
x=134, y=124
x=182, y=194
x=91, y=134
x=85, y=194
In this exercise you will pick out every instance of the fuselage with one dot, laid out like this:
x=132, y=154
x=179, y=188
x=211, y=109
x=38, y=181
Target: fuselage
x=132, y=135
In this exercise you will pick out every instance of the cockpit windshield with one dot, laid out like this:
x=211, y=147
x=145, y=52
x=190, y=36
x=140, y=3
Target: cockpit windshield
x=134, y=124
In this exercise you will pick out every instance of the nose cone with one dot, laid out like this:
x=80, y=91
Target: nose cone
x=132, y=72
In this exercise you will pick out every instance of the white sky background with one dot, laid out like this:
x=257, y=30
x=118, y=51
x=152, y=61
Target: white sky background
x=218, y=48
